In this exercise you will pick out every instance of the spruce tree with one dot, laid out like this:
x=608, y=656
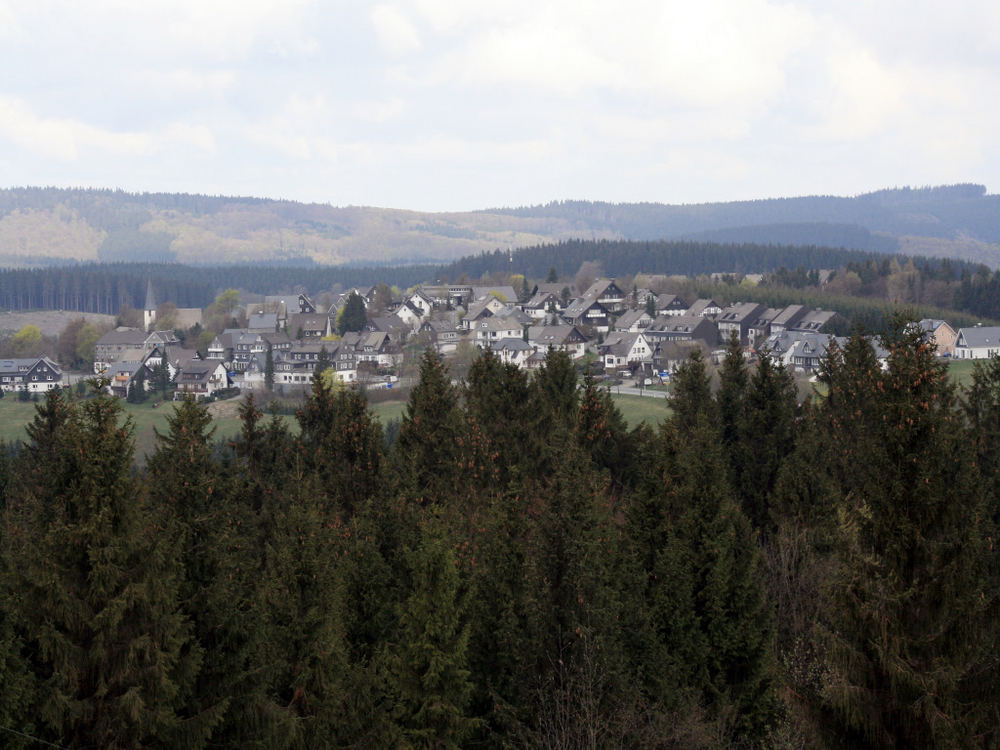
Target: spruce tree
x=907, y=622
x=428, y=448
x=92, y=583
x=734, y=380
x=269, y=369
x=191, y=496
x=429, y=670
x=352, y=317
x=766, y=431
x=691, y=393
x=341, y=444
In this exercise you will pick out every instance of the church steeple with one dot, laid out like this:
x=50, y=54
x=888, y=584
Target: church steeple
x=149, y=311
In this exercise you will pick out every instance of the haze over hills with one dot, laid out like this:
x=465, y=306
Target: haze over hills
x=41, y=226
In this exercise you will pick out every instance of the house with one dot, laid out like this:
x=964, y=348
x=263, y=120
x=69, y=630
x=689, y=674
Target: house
x=513, y=351
x=682, y=328
x=669, y=355
x=263, y=323
x=482, y=309
x=705, y=308
x=378, y=348
x=201, y=379
x=789, y=318
x=739, y=319
x=308, y=326
x=561, y=338
x=760, y=328
x=608, y=294
x=420, y=302
x=504, y=293
x=624, y=350
x=978, y=342
x=941, y=334
x=587, y=312
x=34, y=375
x=670, y=304
x=109, y=347
x=819, y=321
x=633, y=320
x=411, y=315
x=809, y=350
x=441, y=334
x=122, y=377
x=543, y=303
x=496, y=328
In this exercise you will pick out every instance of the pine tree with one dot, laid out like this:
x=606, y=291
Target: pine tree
x=497, y=400
x=427, y=449
x=352, y=317
x=766, y=432
x=708, y=602
x=269, y=369
x=429, y=672
x=190, y=495
x=93, y=585
x=733, y=383
x=691, y=393
x=341, y=444
x=907, y=624
x=137, y=393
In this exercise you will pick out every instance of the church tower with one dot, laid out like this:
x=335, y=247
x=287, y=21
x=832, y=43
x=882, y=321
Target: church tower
x=149, y=311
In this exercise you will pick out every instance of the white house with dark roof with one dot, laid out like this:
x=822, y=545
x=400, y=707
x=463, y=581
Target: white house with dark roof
x=624, y=349
x=561, y=338
x=513, y=351
x=34, y=374
x=978, y=342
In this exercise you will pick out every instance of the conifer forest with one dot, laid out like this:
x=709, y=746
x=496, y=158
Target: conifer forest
x=514, y=567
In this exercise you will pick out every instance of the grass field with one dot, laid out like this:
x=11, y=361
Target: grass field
x=642, y=409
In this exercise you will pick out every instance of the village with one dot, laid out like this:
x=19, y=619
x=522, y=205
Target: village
x=635, y=336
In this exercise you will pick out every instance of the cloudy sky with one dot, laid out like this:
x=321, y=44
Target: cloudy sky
x=450, y=105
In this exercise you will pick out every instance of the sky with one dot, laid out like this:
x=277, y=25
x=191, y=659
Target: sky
x=450, y=105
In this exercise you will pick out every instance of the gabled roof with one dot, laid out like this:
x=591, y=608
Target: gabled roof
x=123, y=336
x=619, y=343
x=261, y=321
x=604, y=288
x=701, y=305
x=632, y=317
x=503, y=293
x=670, y=302
x=555, y=335
x=742, y=312
x=579, y=306
x=978, y=337
x=790, y=315
x=16, y=365
x=497, y=323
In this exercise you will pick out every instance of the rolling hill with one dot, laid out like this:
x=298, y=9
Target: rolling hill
x=47, y=226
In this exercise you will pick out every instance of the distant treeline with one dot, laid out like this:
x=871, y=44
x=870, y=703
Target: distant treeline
x=684, y=258
x=104, y=288
x=926, y=212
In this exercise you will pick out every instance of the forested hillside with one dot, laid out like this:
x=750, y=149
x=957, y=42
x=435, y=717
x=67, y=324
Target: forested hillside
x=40, y=226
x=517, y=568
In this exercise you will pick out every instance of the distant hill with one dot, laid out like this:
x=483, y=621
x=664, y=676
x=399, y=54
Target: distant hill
x=47, y=226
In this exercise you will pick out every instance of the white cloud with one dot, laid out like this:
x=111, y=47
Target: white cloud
x=396, y=35
x=69, y=139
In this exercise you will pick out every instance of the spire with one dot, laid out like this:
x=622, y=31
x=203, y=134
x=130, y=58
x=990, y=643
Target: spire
x=150, y=299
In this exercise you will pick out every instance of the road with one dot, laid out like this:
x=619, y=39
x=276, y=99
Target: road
x=627, y=390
